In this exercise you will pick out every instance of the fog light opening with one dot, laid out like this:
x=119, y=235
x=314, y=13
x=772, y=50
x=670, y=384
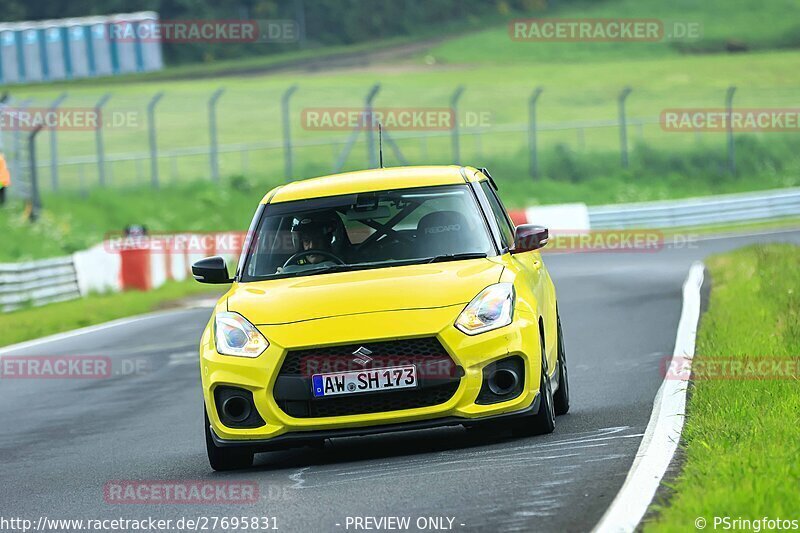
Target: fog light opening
x=503, y=381
x=236, y=408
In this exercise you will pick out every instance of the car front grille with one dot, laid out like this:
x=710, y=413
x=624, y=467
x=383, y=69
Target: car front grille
x=438, y=377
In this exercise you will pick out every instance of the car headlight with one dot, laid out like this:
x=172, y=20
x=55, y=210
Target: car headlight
x=234, y=335
x=491, y=309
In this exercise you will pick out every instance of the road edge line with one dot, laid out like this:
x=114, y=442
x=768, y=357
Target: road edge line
x=123, y=321
x=666, y=422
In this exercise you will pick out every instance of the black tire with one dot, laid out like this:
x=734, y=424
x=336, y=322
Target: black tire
x=561, y=397
x=544, y=421
x=222, y=459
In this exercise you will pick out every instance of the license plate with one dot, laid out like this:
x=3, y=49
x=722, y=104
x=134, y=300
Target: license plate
x=398, y=377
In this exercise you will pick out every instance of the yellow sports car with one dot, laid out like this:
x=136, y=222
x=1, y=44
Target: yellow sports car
x=378, y=301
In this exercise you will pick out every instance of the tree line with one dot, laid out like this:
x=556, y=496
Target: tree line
x=322, y=22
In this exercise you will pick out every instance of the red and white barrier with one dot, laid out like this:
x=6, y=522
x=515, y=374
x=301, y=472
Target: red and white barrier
x=150, y=262
x=560, y=217
x=97, y=270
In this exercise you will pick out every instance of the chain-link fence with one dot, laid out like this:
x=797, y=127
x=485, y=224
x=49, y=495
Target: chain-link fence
x=190, y=132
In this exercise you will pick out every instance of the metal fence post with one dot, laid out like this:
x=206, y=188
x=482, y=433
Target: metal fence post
x=371, y=154
x=98, y=139
x=212, y=133
x=623, y=130
x=532, y=148
x=729, y=113
x=54, y=144
x=16, y=163
x=151, y=124
x=287, y=132
x=36, y=200
x=454, y=131
x=351, y=141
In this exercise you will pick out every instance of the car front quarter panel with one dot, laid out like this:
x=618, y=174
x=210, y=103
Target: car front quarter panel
x=538, y=300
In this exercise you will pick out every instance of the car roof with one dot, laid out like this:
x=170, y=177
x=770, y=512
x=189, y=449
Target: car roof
x=378, y=179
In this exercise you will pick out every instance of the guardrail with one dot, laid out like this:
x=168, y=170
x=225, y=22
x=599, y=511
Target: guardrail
x=67, y=278
x=37, y=283
x=697, y=211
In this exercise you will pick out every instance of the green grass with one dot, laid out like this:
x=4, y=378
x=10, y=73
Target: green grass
x=32, y=323
x=249, y=113
x=741, y=440
x=72, y=222
x=738, y=227
x=581, y=83
x=249, y=64
x=745, y=23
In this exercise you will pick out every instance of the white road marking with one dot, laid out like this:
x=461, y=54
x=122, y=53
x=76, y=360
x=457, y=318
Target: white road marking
x=297, y=477
x=183, y=358
x=444, y=462
x=145, y=349
x=89, y=329
x=209, y=303
x=664, y=428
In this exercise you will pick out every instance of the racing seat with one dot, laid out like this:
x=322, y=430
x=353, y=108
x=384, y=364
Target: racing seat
x=442, y=232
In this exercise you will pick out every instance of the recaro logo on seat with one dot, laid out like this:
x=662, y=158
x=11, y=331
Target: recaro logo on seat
x=442, y=229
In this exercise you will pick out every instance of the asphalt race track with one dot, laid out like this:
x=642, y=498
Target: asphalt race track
x=62, y=440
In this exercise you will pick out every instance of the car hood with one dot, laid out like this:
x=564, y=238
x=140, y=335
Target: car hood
x=282, y=301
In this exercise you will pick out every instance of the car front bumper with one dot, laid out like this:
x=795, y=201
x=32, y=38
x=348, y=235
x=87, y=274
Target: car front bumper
x=470, y=353
x=304, y=438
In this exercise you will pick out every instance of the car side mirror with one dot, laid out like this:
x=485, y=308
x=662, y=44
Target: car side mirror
x=528, y=237
x=211, y=270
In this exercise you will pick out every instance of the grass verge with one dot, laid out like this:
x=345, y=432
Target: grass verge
x=73, y=222
x=32, y=323
x=741, y=437
x=786, y=223
x=493, y=115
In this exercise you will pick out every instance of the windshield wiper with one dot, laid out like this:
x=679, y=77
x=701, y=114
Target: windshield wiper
x=327, y=269
x=321, y=269
x=456, y=257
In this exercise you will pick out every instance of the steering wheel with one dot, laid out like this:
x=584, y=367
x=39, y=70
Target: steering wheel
x=304, y=253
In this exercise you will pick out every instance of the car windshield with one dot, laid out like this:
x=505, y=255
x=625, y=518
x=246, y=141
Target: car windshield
x=367, y=230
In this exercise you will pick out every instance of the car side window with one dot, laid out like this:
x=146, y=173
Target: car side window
x=506, y=231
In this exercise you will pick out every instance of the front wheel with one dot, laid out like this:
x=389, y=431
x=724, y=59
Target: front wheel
x=544, y=421
x=222, y=459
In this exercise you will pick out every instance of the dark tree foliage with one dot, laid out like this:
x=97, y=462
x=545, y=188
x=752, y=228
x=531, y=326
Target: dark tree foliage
x=327, y=22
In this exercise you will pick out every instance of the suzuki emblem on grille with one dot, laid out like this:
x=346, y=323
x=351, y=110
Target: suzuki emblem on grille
x=362, y=356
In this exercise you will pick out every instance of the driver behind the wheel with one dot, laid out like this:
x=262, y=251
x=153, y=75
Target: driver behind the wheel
x=313, y=234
